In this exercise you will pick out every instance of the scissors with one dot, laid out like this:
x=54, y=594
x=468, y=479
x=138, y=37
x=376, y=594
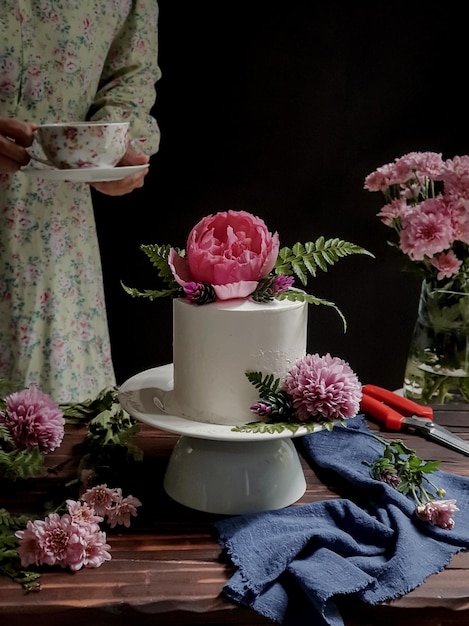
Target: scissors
x=397, y=412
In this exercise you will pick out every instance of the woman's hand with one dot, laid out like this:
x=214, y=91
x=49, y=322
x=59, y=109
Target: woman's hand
x=125, y=185
x=15, y=136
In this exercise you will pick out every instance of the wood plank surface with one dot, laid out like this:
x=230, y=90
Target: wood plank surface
x=167, y=568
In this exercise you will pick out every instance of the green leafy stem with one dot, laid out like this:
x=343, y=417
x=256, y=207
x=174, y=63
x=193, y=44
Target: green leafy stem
x=301, y=261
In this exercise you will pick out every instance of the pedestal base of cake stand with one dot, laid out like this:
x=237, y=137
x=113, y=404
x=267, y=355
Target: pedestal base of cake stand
x=213, y=467
x=233, y=478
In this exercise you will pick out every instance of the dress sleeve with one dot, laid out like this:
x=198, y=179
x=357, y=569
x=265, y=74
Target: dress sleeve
x=127, y=86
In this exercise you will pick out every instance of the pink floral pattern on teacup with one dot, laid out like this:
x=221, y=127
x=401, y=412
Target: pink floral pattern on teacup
x=84, y=144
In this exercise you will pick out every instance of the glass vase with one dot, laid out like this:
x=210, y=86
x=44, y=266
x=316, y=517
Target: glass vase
x=437, y=369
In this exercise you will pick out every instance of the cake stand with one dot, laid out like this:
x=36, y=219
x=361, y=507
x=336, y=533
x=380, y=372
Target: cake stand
x=214, y=468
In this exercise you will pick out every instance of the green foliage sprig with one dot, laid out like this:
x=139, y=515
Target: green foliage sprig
x=9, y=560
x=304, y=259
x=300, y=261
x=158, y=256
x=15, y=463
x=109, y=440
x=400, y=467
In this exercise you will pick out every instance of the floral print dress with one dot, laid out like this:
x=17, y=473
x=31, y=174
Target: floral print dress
x=65, y=60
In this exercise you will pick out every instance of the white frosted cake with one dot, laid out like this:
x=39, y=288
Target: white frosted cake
x=236, y=311
x=215, y=344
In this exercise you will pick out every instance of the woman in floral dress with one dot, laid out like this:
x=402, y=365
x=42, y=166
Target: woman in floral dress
x=65, y=60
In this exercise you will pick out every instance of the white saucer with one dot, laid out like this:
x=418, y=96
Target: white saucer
x=85, y=175
x=143, y=396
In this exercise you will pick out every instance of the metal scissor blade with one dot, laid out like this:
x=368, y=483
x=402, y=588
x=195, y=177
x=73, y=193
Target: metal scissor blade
x=438, y=433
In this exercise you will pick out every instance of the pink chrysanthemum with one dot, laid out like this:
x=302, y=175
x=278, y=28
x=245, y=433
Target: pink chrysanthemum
x=96, y=550
x=438, y=513
x=420, y=165
x=427, y=230
x=323, y=386
x=53, y=541
x=427, y=206
x=33, y=420
x=101, y=498
x=447, y=264
x=393, y=211
x=456, y=176
x=29, y=549
x=122, y=510
x=59, y=540
x=82, y=514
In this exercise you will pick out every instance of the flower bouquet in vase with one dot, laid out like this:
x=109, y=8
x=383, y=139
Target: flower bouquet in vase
x=427, y=207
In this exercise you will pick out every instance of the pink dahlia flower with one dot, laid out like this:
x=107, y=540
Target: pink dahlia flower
x=324, y=387
x=230, y=250
x=33, y=420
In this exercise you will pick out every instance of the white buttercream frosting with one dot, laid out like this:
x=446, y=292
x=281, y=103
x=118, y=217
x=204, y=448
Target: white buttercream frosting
x=214, y=345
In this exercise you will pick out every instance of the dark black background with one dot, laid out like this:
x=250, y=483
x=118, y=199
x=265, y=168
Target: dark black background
x=282, y=109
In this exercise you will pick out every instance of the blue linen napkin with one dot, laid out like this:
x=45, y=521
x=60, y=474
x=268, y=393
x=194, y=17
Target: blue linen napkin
x=293, y=562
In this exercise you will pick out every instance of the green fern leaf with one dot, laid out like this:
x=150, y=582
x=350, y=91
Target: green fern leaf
x=266, y=385
x=295, y=295
x=299, y=269
x=312, y=255
x=152, y=294
x=158, y=256
x=313, y=263
x=293, y=427
x=21, y=464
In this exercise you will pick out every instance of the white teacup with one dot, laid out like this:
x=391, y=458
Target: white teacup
x=78, y=145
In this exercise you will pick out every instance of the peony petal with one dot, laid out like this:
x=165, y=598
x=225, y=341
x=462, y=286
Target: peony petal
x=241, y=289
x=269, y=262
x=179, y=267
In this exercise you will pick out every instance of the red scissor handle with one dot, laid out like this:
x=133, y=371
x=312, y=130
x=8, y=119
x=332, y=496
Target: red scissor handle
x=403, y=405
x=390, y=408
x=382, y=412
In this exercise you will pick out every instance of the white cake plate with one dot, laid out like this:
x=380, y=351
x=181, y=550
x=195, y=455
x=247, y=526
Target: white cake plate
x=213, y=468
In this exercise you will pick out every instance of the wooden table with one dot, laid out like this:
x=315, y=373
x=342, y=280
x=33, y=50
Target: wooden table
x=167, y=567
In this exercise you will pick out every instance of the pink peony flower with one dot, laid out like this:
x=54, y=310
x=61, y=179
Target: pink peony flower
x=323, y=386
x=33, y=420
x=230, y=250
